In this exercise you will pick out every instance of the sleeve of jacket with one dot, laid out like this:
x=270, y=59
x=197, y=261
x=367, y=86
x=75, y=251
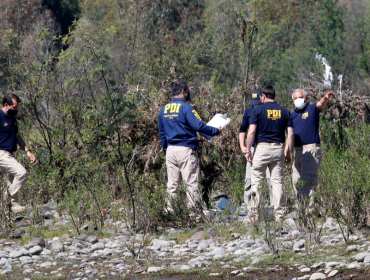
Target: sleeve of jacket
x=196, y=123
x=162, y=134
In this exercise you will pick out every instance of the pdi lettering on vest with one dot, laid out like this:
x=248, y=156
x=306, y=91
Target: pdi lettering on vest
x=173, y=107
x=274, y=114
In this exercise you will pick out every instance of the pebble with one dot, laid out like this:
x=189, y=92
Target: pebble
x=154, y=269
x=35, y=250
x=92, y=239
x=333, y=273
x=351, y=248
x=38, y=241
x=317, y=276
x=45, y=265
x=198, y=235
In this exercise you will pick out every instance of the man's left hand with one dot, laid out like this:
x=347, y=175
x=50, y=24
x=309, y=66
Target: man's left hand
x=249, y=157
x=31, y=156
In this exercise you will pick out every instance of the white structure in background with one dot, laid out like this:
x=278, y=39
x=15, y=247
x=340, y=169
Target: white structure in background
x=340, y=77
x=328, y=75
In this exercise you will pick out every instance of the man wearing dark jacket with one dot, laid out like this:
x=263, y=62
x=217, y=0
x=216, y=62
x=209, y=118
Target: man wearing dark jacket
x=178, y=127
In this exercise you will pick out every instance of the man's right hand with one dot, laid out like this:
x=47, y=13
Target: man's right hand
x=219, y=130
x=288, y=158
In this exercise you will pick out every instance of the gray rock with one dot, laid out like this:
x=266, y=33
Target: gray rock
x=4, y=255
x=198, y=236
x=92, y=239
x=35, y=250
x=361, y=256
x=25, y=258
x=367, y=259
x=239, y=252
x=45, y=252
x=306, y=269
x=49, y=223
x=16, y=254
x=14, y=236
x=157, y=244
x=97, y=246
x=294, y=234
x=57, y=247
x=212, y=232
x=300, y=244
x=107, y=252
x=82, y=251
x=332, y=264
x=316, y=265
x=28, y=271
x=290, y=222
x=317, y=276
x=333, y=273
x=203, y=245
x=354, y=265
x=351, y=248
x=45, y=265
x=61, y=255
x=154, y=269
x=353, y=238
x=234, y=272
x=36, y=258
x=81, y=237
x=38, y=241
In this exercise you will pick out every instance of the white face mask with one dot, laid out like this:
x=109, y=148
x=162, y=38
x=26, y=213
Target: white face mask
x=299, y=103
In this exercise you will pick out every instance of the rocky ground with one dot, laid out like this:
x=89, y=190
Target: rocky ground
x=216, y=250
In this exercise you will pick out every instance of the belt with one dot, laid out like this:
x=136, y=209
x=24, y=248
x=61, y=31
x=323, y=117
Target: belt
x=307, y=146
x=270, y=144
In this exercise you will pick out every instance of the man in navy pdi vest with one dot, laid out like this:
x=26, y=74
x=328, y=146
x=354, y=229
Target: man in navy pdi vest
x=268, y=124
x=14, y=173
x=255, y=101
x=178, y=126
x=307, y=144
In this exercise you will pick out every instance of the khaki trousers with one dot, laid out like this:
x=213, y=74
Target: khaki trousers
x=306, y=168
x=183, y=165
x=271, y=157
x=14, y=173
x=248, y=181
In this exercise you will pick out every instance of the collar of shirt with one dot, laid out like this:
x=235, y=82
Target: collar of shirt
x=177, y=99
x=4, y=115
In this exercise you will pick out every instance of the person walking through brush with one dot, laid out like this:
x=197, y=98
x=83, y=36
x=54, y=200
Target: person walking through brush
x=268, y=124
x=14, y=173
x=307, y=160
x=178, y=127
x=255, y=101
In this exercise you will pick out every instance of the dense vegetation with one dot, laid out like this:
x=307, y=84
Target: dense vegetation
x=93, y=76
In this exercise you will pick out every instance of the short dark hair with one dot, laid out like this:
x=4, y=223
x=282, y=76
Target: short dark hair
x=269, y=92
x=178, y=86
x=8, y=99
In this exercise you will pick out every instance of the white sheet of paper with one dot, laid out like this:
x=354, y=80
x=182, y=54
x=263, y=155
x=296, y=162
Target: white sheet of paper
x=218, y=120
